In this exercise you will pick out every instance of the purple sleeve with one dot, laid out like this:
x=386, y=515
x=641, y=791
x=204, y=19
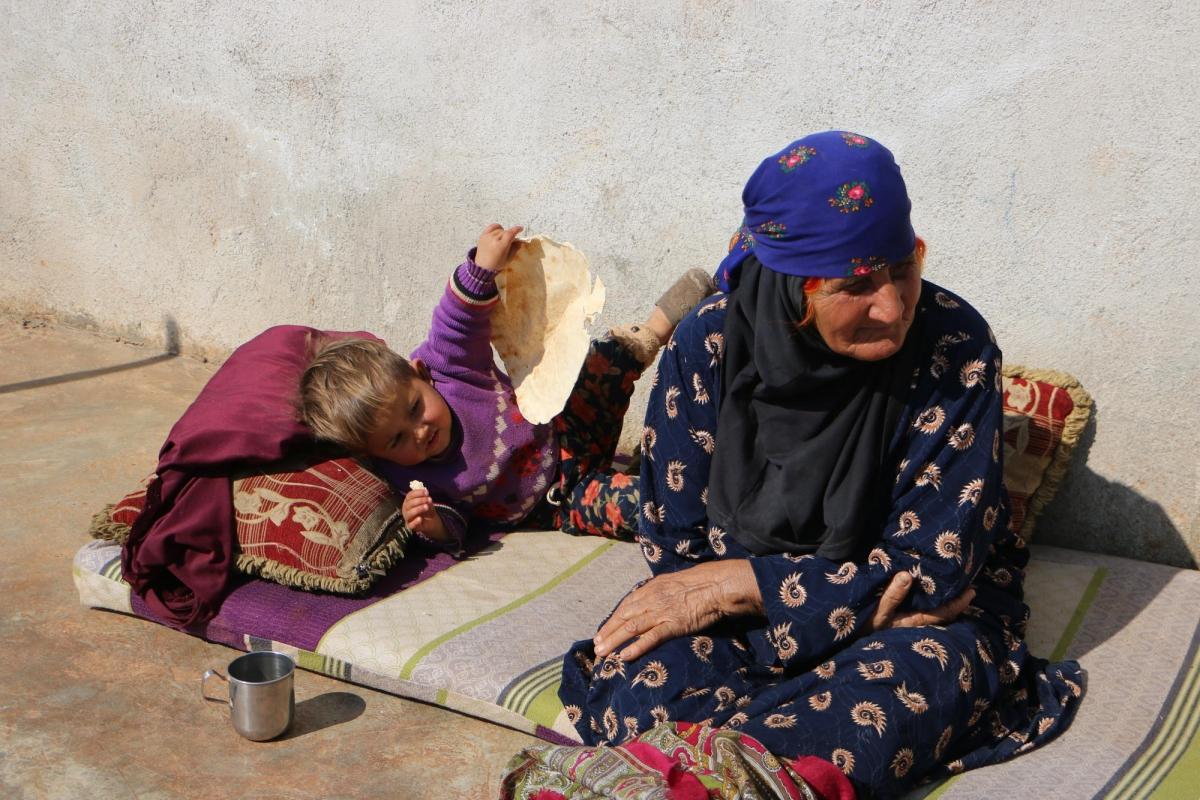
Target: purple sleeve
x=459, y=339
x=456, y=526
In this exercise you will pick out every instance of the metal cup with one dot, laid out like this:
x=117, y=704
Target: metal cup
x=262, y=700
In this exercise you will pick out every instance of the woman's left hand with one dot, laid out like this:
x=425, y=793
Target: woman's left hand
x=677, y=604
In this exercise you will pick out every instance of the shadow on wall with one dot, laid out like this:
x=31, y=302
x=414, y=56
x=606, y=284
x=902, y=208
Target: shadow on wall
x=170, y=350
x=1095, y=514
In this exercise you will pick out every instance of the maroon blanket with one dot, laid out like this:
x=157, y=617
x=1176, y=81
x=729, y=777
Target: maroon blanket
x=180, y=552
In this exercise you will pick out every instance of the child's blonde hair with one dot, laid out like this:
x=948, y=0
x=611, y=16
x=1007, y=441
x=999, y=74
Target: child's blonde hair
x=347, y=385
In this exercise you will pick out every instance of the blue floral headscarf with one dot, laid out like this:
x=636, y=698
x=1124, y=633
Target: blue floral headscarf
x=830, y=205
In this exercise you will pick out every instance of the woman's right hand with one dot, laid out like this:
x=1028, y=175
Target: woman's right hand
x=677, y=604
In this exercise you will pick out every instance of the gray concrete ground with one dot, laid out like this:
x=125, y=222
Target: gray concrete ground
x=99, y=705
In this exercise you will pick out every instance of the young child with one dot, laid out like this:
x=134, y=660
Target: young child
x=445, y=429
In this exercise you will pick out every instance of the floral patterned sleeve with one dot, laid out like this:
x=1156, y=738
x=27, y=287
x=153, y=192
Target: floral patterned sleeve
x=678, y=442
x=946, y=503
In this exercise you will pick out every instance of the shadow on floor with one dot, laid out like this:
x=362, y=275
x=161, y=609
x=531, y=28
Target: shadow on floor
x=324, y=711
x=171, y=350
x=1094, y=514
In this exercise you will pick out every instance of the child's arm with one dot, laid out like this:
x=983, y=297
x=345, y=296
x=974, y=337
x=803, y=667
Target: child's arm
x=438, y=524
x=460, y=336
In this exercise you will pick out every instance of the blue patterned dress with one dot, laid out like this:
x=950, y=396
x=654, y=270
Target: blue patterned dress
x=890, y=707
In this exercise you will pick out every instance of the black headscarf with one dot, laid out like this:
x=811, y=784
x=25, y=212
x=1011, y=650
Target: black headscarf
x=803, y=434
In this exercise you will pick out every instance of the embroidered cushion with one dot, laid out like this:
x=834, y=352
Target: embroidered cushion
x=1045, y=413
x=331, y=525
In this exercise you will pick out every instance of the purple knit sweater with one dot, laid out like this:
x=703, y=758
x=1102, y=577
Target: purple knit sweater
x=498, y=465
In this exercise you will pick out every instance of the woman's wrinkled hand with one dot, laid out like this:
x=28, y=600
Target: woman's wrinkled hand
x=491, y=251
x=677, y=604
x=889, y=615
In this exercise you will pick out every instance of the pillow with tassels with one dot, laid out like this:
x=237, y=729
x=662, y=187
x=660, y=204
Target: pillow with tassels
x=1045, y=413
x=330, y=526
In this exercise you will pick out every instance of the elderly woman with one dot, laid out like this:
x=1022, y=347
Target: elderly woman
x=821, y=479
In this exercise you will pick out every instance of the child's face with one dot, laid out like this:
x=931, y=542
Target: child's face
x=414, y=428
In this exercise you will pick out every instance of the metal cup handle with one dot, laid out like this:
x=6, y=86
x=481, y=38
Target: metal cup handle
x=212, y=673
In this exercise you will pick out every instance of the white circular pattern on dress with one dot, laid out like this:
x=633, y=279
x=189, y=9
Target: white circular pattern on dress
x=989, y=518
x=716, y=540
x=930, y=420
x=869, y=715
x=879, y=558
x=876, y=670
x=781, y=639
x=611, y=667
x=972, y=373
x=931, y=475
x=669, y=403
x=962, y=437
x=913, y=701
x=966, y=677
x=653, y=513
x=842, y=620
x=631, y=728
x=675, y=475
x=931, y=648
x=844, y=575
x=649, y=439
x=948, y=545
x=792, y=592
x=610, y=724
x=942, y=742
x=909, y=522
x=714, y=343
x=843, y=760
x=651, y=551
x=653, y=675
x=706, y=440
x=971, y=492
x=944, y=300
x=780, y=720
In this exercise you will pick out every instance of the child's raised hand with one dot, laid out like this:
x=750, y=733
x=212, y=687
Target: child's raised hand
x=493, y=245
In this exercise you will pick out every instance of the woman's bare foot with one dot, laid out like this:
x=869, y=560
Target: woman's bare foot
x=685, y=294
x=658, y=324
x=645, y=340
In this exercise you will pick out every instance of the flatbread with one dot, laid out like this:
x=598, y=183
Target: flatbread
x=540, y=326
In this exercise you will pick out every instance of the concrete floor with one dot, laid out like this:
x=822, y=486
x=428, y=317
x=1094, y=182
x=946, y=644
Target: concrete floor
x=95, y=704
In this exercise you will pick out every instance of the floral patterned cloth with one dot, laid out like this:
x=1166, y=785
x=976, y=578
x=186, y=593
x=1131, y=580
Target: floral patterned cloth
x=594, y=499
x=890, y=707
x=679, y=762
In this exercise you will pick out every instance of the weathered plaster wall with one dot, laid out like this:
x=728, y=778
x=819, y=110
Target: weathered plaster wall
x=223, y=166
